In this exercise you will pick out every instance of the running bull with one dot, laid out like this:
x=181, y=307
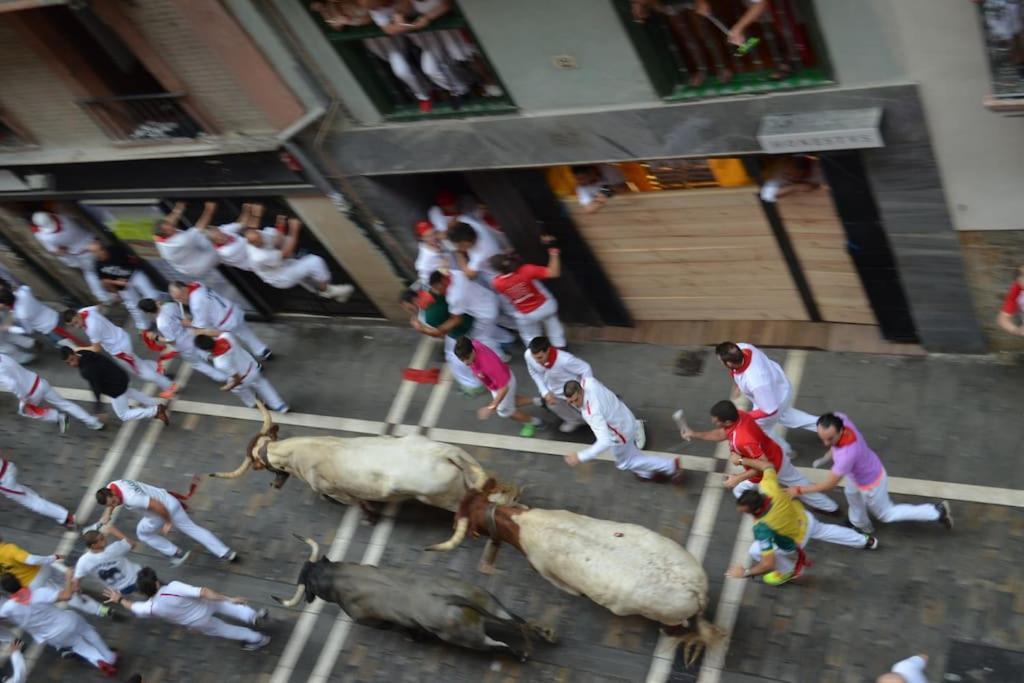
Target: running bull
x=371, y=468
x=453, y=611
x=625, y=568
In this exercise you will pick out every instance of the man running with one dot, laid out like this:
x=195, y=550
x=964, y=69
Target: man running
x=194, y=608
x=33, y=315
x=121, y=272
x=107, y=378
x=187, y=250
x=212, y=314
x=170, y=324
x=69, y=242
x=766, y=386
x=26, y=497
x=497, y=376
x=35, y=611
x=33, y=392
x=37, y=571
x=107, y=561
x=747, y=439
x=277, y=265
x=161, y=511
x=867, y=483
x=534, y=308
x=782, y=528
x=106, y=336
x=616, y=428
x=551, y=368
x=244, y=377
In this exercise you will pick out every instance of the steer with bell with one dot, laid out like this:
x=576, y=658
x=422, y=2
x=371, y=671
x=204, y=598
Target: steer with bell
x=625, y=568
x=453, y=611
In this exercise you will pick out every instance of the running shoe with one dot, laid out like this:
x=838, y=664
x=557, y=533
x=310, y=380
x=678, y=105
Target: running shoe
x=945, y=515
x=259, y=644
x=179, y=558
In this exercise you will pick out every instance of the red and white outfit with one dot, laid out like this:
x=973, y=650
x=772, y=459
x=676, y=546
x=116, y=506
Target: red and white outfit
x=135, y=495
x=182, y=604
x=169, y=324
x=33, y=392
x=231, y=359
x=1013, y=303
x=57, y=232
x=277, y=271
x=33, y=610
x=766, y=386
x=535, y=310
x=35, y=316
x=616, y=428
x=189, y=252
x=550, y=377
x=26, y=497
x=211, y=310
x=118, y=344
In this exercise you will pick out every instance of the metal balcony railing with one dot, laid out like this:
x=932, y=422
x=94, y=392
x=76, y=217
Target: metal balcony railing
x=138, y=118
x=1002, y=23
x=688, y=55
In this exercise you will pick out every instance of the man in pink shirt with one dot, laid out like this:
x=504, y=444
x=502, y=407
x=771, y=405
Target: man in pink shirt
x=498, y=378
x=867, y=484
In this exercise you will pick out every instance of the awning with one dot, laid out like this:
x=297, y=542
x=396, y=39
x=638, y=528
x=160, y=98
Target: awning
x=821, y=131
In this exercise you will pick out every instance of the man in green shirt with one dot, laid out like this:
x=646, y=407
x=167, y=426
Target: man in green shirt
x=430, y=316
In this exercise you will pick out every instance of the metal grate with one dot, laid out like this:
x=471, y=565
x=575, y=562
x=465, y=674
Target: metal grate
x=136, y=118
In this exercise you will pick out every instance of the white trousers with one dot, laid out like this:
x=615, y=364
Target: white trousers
x=437, y=64
x=405, y=73
x=124, y=411
x=297, y=271
x=50, y=576
x=789, y=417
x=248, y=337
x=87, y=644
x=148, y=531
x=507, y=407
x=200, y=363
x=789, y=475
x=26, y=497
x=212, y=626
x=488, y=332
x=139, y=287
x=32, y=406
x=785, y=560
x=460, y=371
x=629, y=457
x=545, y=318
x=143, y=369
x=257, y=385
x=565, y=412
x=876, y=501
x=87, y=264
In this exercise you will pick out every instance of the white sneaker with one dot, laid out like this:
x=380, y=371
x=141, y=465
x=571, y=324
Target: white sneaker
x=492, y=90
x=62, y=422
x=99, y=426
x=261, y=617
x=259, y=644
x=640, y=438
x=569, y=427
x=339, y=293
x=179, y=560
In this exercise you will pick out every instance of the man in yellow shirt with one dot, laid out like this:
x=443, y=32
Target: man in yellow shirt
x=35, y=571
x=782, y=527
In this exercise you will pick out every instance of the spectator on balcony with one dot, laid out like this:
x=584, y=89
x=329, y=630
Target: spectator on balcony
x=535, y=309
x=595, y=184
x=69, y=242
x=796, y=173
x=121, y=272
x=187, y=250
x=275, y=265
x=1013, y=306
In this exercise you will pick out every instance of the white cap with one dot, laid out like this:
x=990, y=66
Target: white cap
x=44, y=221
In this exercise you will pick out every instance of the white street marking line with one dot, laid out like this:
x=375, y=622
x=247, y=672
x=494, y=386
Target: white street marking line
x=407, y=388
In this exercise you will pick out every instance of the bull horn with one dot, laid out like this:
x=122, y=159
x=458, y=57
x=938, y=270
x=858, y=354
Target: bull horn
x=461, y=527
x=300, y=591
x=237, y=472
x=314, y=552
x=268, y=421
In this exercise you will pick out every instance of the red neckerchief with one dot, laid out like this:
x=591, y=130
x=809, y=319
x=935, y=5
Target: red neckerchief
x=160, y=238
x=23, y=596
x=116, y=490
x=847, y=438
x=552, y=356
x=84, y=315
x=193, y=286
x=220, y=347
x=748, y=355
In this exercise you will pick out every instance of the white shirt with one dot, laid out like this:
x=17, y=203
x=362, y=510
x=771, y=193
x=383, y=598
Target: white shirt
x=31, y=313
x=101, y=331
x=234, y=360
x=611, y=421
x=68, y=234
x=912, y=669
x=763, y=382
x=43, y=620
x=15, y=378
x=19, y=672
x=552, y=380
x=188, y=251
x=211, y=310
x=178, y=603
x=438, y=218
x=467, y=296
x=136, y=495
x=109, y=565
x=486, y=246
x=610, y=175
x=429, y=259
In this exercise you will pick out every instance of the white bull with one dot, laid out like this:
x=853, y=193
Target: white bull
x=371, y=468
x=625, y=568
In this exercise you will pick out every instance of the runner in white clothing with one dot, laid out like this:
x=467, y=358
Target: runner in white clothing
x=33, y=315
x=766, y=386
x=33, y=392
x=431, y=254
x=106, y=336
x=107, y=561
x=616, y=428
x=211, y=313
x=19, y=671
x=550, y=369
x=26, y=497
x=35, y=611
x=278, y=266
x=194, y=608
x=69, y=242
x=121, y=272
x=169, y=321
x=469, y=296
x=187, y=250
x=161, y=512
x=39, y=571
x=475, y=245
x=245, y=379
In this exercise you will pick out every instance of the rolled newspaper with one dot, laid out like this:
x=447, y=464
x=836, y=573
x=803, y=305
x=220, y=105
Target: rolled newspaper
x=679, y=417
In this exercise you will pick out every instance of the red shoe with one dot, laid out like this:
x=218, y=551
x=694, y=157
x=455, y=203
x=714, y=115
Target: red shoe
x=69, y=522
x=109, y=670
x=426, y=106
x=169, y=392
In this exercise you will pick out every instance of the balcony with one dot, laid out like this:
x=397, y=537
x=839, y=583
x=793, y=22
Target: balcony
x=688, y=56
x=143, y=118
x=1003, y=28
x=442, y=64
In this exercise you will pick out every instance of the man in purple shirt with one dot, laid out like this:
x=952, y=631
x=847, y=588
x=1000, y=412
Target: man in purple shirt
x=497, y=376
x=867, y=484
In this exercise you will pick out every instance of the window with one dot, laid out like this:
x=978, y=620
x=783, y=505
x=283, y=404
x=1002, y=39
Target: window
x=688, y=55
x=411, y=73
x=1002, y=23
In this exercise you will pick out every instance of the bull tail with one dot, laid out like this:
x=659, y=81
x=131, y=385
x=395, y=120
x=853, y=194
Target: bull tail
x=499, y=622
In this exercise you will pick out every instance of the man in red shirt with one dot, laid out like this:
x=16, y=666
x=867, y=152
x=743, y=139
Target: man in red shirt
x=748, y=440
x=535, y=310
x=1013, y=306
